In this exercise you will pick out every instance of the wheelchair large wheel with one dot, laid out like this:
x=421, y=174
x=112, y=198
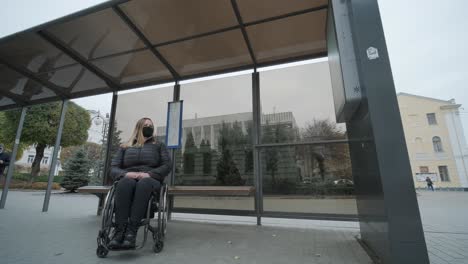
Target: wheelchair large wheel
x=162, y=212
x=107, y=221
x=102, y=252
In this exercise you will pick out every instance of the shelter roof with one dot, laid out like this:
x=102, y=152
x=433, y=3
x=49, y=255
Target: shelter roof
x=120, y=45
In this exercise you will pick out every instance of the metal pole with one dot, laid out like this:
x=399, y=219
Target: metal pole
x=58, y=139
x=256, y=106
x=110, y=134
x=176, y=97
x=11, y=167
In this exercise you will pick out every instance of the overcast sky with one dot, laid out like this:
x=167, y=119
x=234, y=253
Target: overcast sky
x=426, y=40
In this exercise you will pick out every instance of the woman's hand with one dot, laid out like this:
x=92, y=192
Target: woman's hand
x=142, y=175
x=132, y=175
x=137, y=175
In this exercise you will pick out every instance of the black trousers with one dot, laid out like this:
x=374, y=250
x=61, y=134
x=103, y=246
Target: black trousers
x=131, y=199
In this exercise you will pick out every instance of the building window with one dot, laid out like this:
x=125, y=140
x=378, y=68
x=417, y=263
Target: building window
x=443, y=172
x=437, y=143
x=30, y=158
x=424, y=169
x=45, y=160
x=431, y=119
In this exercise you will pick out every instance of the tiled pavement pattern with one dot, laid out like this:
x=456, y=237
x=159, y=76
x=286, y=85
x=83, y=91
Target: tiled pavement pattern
x=445, y=221
x=67, y=234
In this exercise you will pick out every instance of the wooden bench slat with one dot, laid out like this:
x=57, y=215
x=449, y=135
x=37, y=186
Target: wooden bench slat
x=94, y=189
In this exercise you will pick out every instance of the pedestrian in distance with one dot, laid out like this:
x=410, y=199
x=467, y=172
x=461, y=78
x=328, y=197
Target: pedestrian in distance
x=429, y=184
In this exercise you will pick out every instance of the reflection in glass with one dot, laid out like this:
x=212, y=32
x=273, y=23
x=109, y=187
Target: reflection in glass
x=134, y=67
x=74, y=78
x=210, y=53
x=26, y=88
x=311, y=178
x=98, y=34
x=185, y=18
x=30, y=51
x=289, y=37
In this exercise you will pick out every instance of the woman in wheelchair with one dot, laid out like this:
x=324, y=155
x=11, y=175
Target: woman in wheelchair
x=140, y=167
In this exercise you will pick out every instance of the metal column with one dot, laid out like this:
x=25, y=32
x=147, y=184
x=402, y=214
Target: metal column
x=110, y=133
x=256, y=106
x=176, y=97
x=390, y=222
x=58, y=139
x=11, y=167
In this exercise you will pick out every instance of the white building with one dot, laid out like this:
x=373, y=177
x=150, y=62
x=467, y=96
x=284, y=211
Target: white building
x=207, y=128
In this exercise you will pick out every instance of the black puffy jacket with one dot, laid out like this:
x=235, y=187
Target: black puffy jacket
x=152, y=158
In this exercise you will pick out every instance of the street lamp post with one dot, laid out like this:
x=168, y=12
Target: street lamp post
x=98, y=120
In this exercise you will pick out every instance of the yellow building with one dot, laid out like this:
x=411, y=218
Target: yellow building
x=435, y=140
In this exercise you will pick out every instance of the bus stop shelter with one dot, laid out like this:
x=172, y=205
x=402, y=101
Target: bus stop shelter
x=122, y=45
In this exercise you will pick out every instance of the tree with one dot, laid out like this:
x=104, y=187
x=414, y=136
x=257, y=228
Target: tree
x=76, y=171
x=276, y=133
x=41, y=125
x=189, y=154
x=93, y=151
x=7, y=133
x=337, y=154
x=205, y=149
x=227, y=171
x=116, y=142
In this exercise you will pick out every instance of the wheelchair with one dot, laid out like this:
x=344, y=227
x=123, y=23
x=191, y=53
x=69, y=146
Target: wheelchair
x=157, y=206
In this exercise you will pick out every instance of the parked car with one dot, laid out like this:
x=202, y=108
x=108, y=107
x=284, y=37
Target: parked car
x=343, y=182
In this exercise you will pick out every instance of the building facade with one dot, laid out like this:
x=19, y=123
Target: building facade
x=436, y=141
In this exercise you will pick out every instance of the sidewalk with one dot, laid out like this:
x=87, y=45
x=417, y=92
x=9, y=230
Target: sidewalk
x=445, y=220
x=67, y=234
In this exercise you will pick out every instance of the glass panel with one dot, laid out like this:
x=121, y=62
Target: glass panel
x=152, y=104
x=217, y=141
x=261, y=9
x=289, y=37
x=76, y=78
x=98, y=34
x=8, y=78
x=34, y=157
x=95, y=143
x=308, y=114
x=304, y=178
x=6, y=101
x=209, y=53
x=32, y=52
x=17, y=84
x=165, y=20
x=308, y=179
x=134, y=67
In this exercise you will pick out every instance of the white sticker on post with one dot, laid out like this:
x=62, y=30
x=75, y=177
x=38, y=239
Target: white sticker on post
x=372, y=53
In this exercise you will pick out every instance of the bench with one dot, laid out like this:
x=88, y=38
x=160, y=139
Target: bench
x=101, y=191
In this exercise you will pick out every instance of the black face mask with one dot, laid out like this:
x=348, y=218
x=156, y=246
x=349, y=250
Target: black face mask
x=148, y=131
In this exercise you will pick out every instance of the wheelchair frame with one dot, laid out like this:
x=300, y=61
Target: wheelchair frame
x=158, y=232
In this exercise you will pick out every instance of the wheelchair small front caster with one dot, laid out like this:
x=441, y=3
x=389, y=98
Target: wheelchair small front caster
x=158, y=246
x=101, y=251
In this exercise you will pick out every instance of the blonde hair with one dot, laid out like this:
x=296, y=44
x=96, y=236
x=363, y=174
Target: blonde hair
x=137, y=139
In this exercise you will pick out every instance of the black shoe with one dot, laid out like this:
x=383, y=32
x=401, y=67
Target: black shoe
x=117, y=237
x=130, y=236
